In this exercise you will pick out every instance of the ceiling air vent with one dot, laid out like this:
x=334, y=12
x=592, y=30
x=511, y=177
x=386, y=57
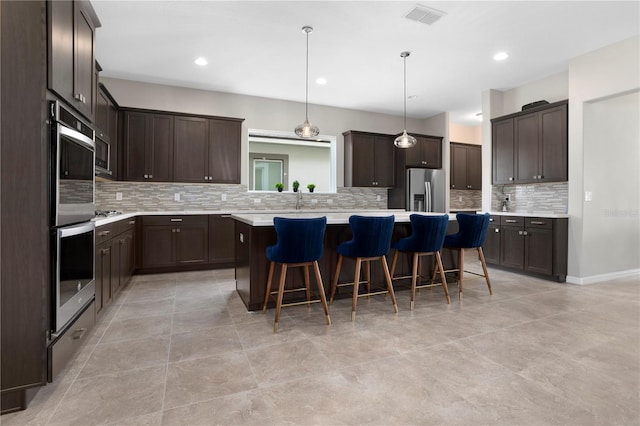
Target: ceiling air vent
x=424, y=14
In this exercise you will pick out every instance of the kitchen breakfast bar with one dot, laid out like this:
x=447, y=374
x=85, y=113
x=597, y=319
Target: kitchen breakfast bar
x=254, y=232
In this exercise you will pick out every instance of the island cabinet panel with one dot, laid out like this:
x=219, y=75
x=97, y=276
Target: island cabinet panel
x=534, y=245
x=531, y=146
x=369, y=159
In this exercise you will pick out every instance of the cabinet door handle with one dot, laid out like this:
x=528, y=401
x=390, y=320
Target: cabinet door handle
x=105, y=251
x=146, y=176
x=537, y=222
x=150, y=176
x=173, y=230
x=497, y=230
x=510, y=177
x=525, y=233
x=491, y=220
x=103, y=233
x=453, y=186
x=132, y=222
x=177, y=229
x=511, y=221
x=519, y=232
x=121, y=241
x=173, y=219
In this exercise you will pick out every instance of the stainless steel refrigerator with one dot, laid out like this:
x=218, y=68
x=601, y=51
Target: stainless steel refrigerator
x=425, y=190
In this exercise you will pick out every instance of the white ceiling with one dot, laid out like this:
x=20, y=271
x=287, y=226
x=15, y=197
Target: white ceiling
x=257, y=48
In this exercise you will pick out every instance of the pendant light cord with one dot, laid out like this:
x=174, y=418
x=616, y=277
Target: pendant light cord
x=405, y=93
x=306, y=92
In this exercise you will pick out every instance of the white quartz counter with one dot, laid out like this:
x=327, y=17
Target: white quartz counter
x=333, y=217
x=547, y=215
x=265, y=218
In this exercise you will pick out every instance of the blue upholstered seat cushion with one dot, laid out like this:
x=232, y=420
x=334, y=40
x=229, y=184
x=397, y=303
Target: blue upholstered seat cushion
x=427, y=234
x=471, y=233
x=299, y=240
x=371, y=236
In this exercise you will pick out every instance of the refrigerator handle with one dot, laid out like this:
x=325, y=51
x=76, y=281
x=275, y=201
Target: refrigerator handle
x=427, y=196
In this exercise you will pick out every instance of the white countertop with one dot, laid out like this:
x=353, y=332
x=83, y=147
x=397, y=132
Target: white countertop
x=548, y=215
x=333, y=217
x=265, y=218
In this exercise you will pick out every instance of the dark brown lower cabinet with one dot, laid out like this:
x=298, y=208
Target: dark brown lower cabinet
x=173, y=241
x=221, y=240
x=114, y=260
x=531, y=244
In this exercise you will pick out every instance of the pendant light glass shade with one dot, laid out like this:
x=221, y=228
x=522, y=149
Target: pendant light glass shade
x=405, y=140
x=306, y=129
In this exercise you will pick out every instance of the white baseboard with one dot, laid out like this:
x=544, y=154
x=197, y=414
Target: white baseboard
x=602, y=277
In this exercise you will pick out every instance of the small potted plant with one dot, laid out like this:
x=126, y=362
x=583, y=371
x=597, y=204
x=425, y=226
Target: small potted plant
x=311, y=187
x=296, y=185
x=279, y=187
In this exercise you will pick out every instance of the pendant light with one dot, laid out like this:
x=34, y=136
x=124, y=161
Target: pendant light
x=306, y=129
x=405, y=140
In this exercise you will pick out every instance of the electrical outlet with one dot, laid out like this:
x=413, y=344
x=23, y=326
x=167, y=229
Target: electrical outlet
x=257, y=201
x=329, y=201
x=223, y=197
x=176, y=196
x=118, y=196
x=314, y=201
x=588, y=196
x=507, y=197
x=378, y=198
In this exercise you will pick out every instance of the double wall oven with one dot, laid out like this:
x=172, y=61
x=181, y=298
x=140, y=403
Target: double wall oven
x=72, y=177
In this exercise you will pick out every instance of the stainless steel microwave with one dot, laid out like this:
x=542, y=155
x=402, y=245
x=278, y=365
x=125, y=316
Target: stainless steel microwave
x=103, y=155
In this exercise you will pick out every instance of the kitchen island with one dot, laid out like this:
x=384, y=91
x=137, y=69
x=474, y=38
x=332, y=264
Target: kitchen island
x=254, y=232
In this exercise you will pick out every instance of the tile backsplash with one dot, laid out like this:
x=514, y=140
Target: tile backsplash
x=465, y=199
x=536, y=197
x=152, y=196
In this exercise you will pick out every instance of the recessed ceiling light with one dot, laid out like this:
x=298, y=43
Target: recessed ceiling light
x=321, y=80
x=500, y=56
x=201, y=61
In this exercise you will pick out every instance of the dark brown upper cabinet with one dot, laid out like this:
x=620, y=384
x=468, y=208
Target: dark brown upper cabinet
x=531, y=146
x=148, y=146
x=427, y=153
x=181, y=147
x=368, y=159
x=466, y=166
x=106, y=127
x=71, y=68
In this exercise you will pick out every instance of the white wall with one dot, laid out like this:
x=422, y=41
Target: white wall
x=465, y=134
x=260, y=113
x=551, y=88
x=594, y=80
x=611, y=157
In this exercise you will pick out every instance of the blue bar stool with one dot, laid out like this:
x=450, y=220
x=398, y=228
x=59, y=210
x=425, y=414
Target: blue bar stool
x=471, y=234
x=426, y=239
x=300, y=244
x=371, y=240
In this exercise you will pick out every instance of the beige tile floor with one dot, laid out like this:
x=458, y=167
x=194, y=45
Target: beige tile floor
x=181, y=349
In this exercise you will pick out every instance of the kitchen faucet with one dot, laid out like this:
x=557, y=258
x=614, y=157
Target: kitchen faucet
x=298, y=200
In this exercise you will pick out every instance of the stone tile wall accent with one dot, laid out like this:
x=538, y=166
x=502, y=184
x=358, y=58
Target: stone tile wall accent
x=465, y=199
x=535, y=197
x=151, y=196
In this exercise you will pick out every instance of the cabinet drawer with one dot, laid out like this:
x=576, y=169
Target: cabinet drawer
x=512, y=221
x=539, y=222
x=104, y=233
x=174, y=220
x=124, y=225
x=66, y=346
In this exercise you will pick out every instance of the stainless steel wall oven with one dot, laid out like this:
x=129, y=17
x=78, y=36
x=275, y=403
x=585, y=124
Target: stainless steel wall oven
x=72, y=189
x=73, y=272
x=72, y=168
